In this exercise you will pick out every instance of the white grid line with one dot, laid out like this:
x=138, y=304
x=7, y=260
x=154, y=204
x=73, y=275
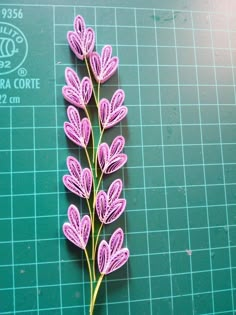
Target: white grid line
x=184, y=171
x=164, y=181
x=35, y=216
x=223, y=161
x=167, y=85
x=57, y=167
x=223, y=170
x=123, y=176
x=164, y=46
x=133, y=301
x=220, y=227
x=124, y=279
x=133, y=146
x=154, y=65
x=150, y=27
x=79, y=201
x=205, y=187
x=195, y=251
x=164, y=275
x=130, y=105
x=214, y=12
x=120, y=302
x=12, y=226
x=143, y=165
x=130, y=125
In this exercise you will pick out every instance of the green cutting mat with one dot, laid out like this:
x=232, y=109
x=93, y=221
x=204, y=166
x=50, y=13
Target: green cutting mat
x=178, y=70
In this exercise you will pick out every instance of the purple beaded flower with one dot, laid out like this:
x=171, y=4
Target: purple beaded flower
x=111, y=256
x=80, y=180
x=77, y=130
x=111, y=113
x=111, y=159
x=108, y=205
x=77, y=92
x=103, y=66
x=82, y=40
x=77, y=230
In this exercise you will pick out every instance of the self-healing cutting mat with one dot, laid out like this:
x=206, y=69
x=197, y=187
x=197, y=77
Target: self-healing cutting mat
x=177, y=67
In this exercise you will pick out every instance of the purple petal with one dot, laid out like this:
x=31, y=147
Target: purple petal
x=75, y=44
x=86, y=180
x=116, y=117
x=103, y=256
x=74, y=186
x=72, y=78
x=73, y=134
x=80, y=181
x=85, y=228
x=77, y=131
x=117, y=99
x=79, y=24
x=86, y=130
x=114, y=190
x=101, y=205
x=76, y=92
x=115, y=163
x=73, y=115
x=115, y=211
x=116, y=241
x=112, y=113
x=86, y=90
x=117, y=260
x=72, y=235
x=77, y=231
x=95, y=64
x=108, y=206
x=74, y=167
x=103, y=155
x=106, y=55
x=105, y=66
x=109, y=159
x=104, y=111
x=74, y=217
x=117, y=145
x=72, y=96
x=89, y=41
x=110, y=69
x=82, y=40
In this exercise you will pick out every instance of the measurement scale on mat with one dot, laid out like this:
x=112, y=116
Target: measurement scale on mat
x=22, y=74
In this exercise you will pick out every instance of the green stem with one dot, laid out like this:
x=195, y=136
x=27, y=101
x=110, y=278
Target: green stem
x=93, y=221
x=89, y=208
x=98, y=95
x=95, y=294
x=92, y=135
x=93, y=254
x=89, y=162
x=95, y=247
x=92, y=228
x=89, y=73
x=99, y=85
x=97, y=237
x=90, y=166
x=99, y=183
x=97, y=188
x=90, y=274
x=91, y=213
x=96, y=158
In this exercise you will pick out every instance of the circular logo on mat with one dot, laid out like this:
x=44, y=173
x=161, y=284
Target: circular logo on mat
x=13, y=48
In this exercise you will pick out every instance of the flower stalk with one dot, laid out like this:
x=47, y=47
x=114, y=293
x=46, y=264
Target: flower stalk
x=85, y=182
